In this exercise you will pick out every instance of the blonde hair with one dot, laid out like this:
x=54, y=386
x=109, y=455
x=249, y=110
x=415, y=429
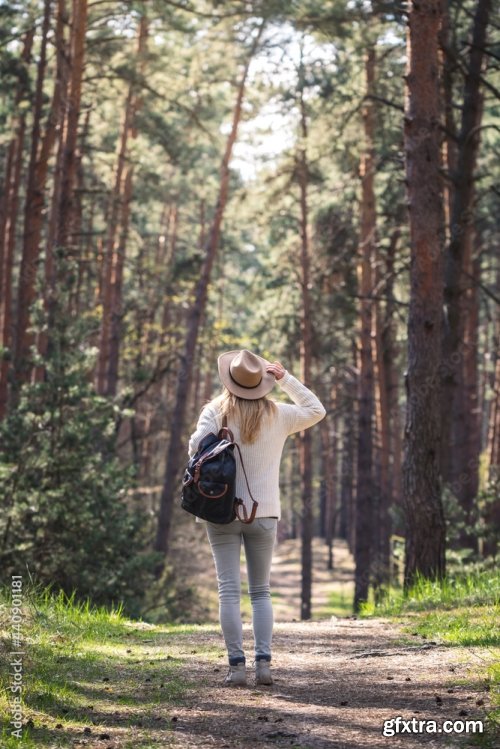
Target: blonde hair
x=248, y=414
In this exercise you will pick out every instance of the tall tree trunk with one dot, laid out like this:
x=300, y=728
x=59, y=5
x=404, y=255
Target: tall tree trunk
x=35, y=191
x=305, y=443
x=330, y=462
x=425, y=526
x=448, y=64
x=8, y=219
x=349, y=462
x=114, y=259
x=65, y=212
x=493, y=446
x=466, y=422
x=347, y=514
x=461, y=219
x=491, y=512
x=382, y=367
x=390, y=353
x=116, y=316
x=77, y=304
x=114, y=253
x=364, y=492
x=64, y=69
x=185, y=371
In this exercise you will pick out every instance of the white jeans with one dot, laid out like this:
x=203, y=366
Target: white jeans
x=258, y=538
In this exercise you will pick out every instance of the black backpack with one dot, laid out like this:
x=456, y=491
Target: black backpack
x=208, y=486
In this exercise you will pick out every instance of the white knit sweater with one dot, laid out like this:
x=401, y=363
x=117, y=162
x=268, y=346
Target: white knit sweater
x=262, y=458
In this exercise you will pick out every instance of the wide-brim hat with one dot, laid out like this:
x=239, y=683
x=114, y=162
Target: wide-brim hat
x=244, y=374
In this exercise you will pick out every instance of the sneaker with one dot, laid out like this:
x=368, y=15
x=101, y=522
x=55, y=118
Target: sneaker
x=263, y=672
x=237, y=676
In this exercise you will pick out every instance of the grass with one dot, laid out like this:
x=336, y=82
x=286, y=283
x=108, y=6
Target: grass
x=463, y=610
x=88, y=671
x=339, y=603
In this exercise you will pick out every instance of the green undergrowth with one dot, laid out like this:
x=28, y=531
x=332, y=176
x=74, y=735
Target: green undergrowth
x=463, y=610
x=339, y=603
x=88, y=673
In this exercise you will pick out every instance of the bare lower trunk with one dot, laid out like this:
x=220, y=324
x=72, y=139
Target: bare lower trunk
x=305, y=444
x=425, y=527
x=382, y=365
x=329, y=458
x=466, y=422
x=461, y=221
x=364, y=490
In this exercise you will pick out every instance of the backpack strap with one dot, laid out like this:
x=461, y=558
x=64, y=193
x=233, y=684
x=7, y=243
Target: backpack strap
x=239, y=502
x=225, y=432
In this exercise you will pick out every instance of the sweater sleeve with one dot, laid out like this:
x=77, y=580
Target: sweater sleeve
x=308, y=409
x=207, y=423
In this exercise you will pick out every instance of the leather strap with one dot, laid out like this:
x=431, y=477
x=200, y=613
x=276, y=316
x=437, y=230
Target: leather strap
x=239, y=502
x=226, y=429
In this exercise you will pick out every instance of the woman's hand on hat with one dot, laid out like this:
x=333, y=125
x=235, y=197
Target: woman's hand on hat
x=277, y=369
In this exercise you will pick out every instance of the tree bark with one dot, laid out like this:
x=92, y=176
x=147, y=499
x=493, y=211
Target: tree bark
x=35, y=190
x=330, y=461
x=114, y=257
x=347, y=469
x=364, y=489
x=383, y=365
x=493, y=446
x=8, y=219
x=305, y=438
x=185, y=372
x=63, y=72
x=491, y=512
x=461, y=219
x=425, y=526
x=448, y=65
x=466, y=421
x=390, y=353
x=65, y=212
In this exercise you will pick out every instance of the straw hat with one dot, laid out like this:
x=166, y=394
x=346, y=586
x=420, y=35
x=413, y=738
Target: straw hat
x=244, y=374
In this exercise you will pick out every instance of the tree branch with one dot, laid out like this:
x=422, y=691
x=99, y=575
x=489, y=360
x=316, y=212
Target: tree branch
x=389, y=103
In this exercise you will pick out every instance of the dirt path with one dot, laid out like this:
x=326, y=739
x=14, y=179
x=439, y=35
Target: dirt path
x=337, y=679
x=336, y=682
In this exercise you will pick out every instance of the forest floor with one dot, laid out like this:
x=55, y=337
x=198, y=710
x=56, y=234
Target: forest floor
x=336, y=682
x=121, y=684
x=337, y=678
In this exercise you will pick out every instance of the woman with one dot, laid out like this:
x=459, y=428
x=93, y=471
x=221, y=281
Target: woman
x=260, y=427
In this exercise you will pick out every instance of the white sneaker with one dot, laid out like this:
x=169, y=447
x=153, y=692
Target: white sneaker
x=263, y=672
x=237, y=676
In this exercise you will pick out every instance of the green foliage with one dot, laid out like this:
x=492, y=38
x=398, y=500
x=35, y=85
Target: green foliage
x=479, y=587
x=82, y=661
x=486, y=527
x=482, y=525
x=69, y=517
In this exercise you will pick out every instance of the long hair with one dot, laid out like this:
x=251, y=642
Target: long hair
x=248, y=414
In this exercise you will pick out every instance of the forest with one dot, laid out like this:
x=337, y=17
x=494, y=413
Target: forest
x=314, y=181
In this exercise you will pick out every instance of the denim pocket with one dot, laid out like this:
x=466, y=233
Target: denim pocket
x=267, y=524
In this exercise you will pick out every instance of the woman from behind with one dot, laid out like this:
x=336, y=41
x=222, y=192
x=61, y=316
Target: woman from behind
x=260, y=427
